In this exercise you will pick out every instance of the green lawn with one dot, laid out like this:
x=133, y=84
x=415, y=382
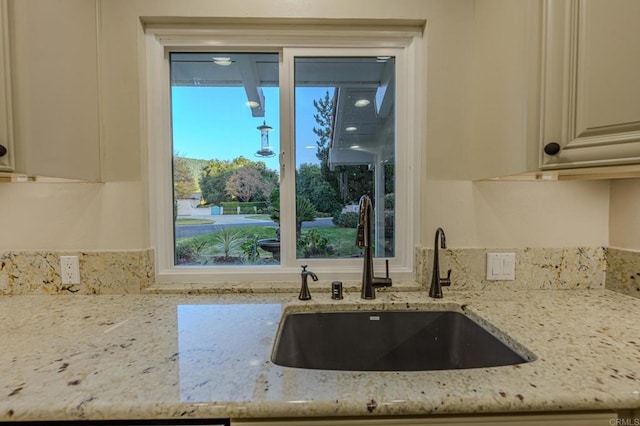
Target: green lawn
x=341, y=240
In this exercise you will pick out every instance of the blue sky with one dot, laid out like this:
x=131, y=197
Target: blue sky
x=214, y=122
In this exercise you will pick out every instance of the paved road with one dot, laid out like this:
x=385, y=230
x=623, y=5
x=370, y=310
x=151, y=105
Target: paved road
x=184, y=231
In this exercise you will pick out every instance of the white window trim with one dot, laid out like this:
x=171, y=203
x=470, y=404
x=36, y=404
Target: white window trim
x=404, y=42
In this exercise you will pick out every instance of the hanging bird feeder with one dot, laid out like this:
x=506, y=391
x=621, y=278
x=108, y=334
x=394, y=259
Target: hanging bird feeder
x=265, y=150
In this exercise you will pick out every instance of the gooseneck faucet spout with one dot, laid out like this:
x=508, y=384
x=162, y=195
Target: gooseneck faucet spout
x=364, y=239
x=436, y=282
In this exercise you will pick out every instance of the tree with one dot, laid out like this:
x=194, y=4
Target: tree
x=246, y=184
x=324, y=118
x=213, y=179
x=311, y=183
x=304, y=210
x=216, y=173
x=183, y=183
x=271, y=180
x=212, y=186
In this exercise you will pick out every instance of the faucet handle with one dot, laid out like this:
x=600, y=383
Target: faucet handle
x=446, y=281
x=382, y=281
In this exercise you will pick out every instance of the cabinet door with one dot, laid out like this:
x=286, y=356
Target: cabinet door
x=6, y=123
x=591, y=83
x=54, y=63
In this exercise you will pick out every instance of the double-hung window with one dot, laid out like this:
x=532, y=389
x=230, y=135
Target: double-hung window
x=263, y=139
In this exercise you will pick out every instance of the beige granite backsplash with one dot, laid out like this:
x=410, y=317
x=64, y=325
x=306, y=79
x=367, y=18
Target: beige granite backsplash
x=132, y=271
x=536, y=268
x=101, y=272
x=623, y=271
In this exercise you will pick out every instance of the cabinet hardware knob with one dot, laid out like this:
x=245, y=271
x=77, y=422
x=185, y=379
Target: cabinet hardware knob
x=3, y=150
x=552, y=148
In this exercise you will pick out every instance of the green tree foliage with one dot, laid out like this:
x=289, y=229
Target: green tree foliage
x=274, y=201
x=311, y=183
x=195, y=166
x=183, y=183
x=213, y=181
x=305, y=211
x=324, y=116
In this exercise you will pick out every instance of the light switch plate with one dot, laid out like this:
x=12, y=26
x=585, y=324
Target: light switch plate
x=501, y=266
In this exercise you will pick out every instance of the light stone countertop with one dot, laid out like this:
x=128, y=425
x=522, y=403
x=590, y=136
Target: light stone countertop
x=208, y=356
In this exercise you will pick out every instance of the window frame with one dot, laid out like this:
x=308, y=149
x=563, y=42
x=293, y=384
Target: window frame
x=290, y=41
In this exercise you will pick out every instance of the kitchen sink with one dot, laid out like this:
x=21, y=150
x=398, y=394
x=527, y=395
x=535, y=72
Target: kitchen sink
x=388, y=341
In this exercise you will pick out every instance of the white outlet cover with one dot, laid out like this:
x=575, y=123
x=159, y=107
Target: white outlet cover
x=70, y=269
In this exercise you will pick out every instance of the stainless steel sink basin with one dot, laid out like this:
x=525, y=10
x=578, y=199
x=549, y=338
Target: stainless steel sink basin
x=388, y=341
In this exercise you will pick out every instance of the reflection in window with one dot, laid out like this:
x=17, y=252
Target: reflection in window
x=345, y=148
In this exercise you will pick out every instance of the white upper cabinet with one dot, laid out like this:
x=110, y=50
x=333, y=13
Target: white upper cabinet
x=590, y=83
x=54, y=88
x=6, y=123
x=506, y=88
x=564, y=72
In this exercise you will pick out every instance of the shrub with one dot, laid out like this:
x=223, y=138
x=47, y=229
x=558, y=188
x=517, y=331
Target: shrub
x=390, y=201
x=190, y=251
x=389, y=233
x=346, y=220
x=184, y=254
x=231, y=207
x=314, y=244
x=249, y=249
x=227, y=241
x=304, y=212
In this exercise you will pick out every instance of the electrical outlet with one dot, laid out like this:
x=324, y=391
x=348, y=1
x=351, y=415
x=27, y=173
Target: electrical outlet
x=70, y=269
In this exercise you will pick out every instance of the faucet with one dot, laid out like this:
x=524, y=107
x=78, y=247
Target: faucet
x=304, y=290
x=364, y=238
x=436, y=282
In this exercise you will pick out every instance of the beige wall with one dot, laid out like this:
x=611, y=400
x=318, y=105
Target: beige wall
x=114, y=215
x=624, y=221
x=71, y=216
x=518, y=214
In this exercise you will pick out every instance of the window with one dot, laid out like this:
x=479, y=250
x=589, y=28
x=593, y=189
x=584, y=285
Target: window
x=344, y=117
x=225, y=167
x=260, y=148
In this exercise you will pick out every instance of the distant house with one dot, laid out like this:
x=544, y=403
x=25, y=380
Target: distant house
x=188, y=206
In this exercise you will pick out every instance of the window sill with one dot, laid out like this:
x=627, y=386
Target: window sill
x=267, y=287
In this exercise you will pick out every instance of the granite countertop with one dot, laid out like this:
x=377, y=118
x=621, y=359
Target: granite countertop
x=170, y=356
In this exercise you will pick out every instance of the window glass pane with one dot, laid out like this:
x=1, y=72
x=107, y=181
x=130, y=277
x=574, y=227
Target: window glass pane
x=345, y=148
x=225, y=116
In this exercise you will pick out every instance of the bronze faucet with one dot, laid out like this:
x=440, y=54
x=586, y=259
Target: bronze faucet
x=436, y=282
x=304, y=289
x=364, y=239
